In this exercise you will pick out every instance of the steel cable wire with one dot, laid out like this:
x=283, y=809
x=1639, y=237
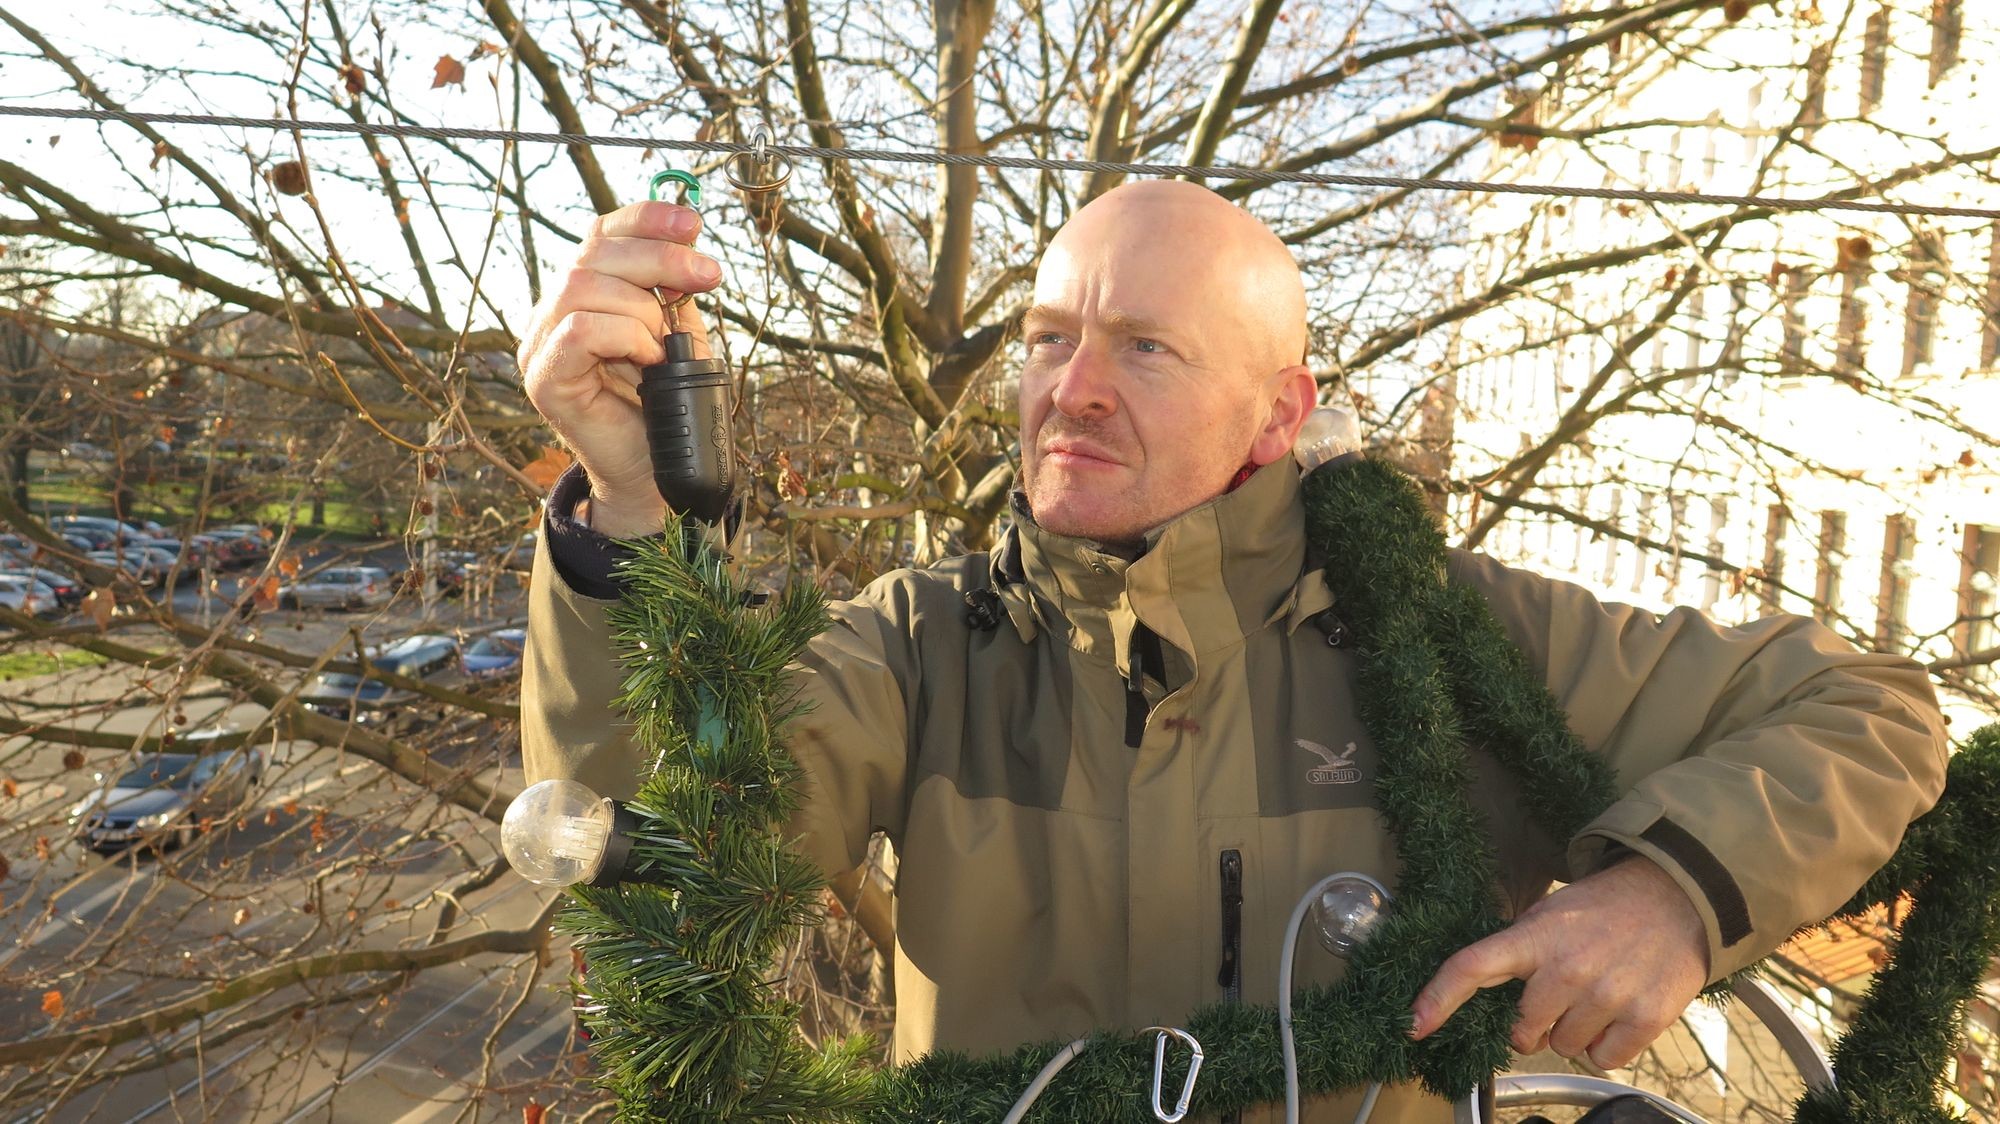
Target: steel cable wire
x=1025, y=163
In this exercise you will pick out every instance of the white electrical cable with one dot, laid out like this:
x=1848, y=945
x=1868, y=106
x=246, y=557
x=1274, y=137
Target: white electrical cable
x=1048, y=1073
x=1285, y=956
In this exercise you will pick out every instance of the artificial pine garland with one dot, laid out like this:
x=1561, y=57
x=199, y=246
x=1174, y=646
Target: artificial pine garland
x=687, y=1027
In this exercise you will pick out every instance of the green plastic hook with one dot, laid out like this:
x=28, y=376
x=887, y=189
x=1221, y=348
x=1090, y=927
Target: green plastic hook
x=675, y=175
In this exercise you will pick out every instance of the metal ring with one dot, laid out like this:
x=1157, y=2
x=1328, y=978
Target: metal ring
x=775, y=169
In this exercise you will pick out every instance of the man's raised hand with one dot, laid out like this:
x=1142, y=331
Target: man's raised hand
x=588, y=338
x=1610, y=962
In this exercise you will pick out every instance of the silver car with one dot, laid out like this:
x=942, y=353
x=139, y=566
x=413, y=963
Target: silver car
x=23, y=594
x=163, y=799
x=343, y=587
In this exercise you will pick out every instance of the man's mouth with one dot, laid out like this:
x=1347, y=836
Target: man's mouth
x=1077, y=454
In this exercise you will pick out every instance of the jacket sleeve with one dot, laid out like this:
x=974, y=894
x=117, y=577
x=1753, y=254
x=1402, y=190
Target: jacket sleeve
x=850, y=742
x=1769, y=768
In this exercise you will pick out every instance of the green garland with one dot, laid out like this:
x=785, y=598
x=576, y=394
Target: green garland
x=687, y=1027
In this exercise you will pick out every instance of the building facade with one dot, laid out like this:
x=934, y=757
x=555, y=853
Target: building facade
x=1738, y=408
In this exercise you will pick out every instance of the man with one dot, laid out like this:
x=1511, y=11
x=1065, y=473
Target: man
x=1107, y=803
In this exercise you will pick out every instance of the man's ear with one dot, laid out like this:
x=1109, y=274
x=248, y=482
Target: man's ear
x=1293, y=393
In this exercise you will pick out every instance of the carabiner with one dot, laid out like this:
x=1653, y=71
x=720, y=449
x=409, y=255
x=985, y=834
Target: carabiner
x=1180, y=1111
x=675, y=175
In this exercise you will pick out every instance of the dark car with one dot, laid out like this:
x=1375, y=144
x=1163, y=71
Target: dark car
x=338, y=694
x=234, y=547
x=497, y=655
x=164, y=798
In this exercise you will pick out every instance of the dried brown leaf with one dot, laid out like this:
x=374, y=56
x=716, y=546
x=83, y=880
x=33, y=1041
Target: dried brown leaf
x=288, y=178
x=52, y=1004
x=99, y=605
x=448, y=72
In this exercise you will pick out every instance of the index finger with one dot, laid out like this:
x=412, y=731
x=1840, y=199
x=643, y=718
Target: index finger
x=652, y=219
x=1482, y=964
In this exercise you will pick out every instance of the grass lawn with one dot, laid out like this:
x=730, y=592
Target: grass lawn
x=23, y=665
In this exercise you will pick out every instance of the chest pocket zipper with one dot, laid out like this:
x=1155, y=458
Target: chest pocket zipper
x=1231, y=974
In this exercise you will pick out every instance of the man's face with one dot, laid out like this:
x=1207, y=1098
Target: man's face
x=1141, y=395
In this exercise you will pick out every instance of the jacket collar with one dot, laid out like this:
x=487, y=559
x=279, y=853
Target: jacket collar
x=1205, y=580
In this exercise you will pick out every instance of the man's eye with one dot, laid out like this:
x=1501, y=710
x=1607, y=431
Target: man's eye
x=1150, y=347
x=1055, y=339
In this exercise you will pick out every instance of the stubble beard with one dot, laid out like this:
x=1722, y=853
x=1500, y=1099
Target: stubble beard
x=1064, y=505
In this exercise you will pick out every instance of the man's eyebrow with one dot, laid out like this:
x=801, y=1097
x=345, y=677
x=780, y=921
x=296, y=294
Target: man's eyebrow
x=1118, y=320
x=1130, y=323
x=1046, y=314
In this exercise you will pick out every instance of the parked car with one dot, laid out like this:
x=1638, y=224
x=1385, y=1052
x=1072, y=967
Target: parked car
x=346, y=587
x=452, y=572
x=136, y=565
x=87, y=538
x=496, y=655
x=86, y=451
x=24, y=594
x=111, y=530
x=164, y=798
x=236, y=548
x=338, y=694
x=68, y=591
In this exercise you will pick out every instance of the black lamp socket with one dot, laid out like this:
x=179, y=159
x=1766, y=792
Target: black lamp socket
x=686, y=405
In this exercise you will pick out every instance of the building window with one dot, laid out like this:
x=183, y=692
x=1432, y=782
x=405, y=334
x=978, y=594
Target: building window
x=1978, y=627
x=1831, y=553
x=1792, y=295
x=1857, y=256
x=1775, y=521
x=1925, y=275
x=1892, y=606
x=1874, y=60
x=1697, y=326
x=1718, y=522
x=1947, y=25
x=1989, y=341
x=1609, y=579
x=1812, y=107
x=1643, y=554
x=1732, y=341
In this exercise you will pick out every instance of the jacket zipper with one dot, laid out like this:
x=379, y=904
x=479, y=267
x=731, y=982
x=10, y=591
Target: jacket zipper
x=1147, y=658
x=1231, y=975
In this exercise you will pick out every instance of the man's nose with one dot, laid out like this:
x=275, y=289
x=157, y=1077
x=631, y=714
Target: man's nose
x=1086, y=387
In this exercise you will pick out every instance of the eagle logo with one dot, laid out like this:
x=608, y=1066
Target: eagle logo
x=1339, y=768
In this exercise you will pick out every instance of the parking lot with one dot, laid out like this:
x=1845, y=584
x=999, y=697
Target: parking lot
x=329, y=855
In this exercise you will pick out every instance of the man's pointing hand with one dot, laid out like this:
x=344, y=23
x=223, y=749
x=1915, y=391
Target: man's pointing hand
x=1610, y=962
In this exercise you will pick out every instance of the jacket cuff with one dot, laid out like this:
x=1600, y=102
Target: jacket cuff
x=585, y=560
x=1641, y=827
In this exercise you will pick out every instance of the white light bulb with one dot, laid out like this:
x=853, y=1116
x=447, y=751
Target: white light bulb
x=1328, y=432
x=555, y=832
x=1348, y=910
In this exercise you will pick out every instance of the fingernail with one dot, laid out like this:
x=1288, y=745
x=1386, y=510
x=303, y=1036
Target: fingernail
x=707, y=270
x=684, y=224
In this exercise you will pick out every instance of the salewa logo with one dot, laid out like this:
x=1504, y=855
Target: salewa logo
x=1339, y=767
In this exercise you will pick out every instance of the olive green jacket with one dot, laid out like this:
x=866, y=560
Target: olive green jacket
x=1066, y=846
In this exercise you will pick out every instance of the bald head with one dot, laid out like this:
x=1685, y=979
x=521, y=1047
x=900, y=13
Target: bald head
x=1164, y=355
x=1190, y=247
